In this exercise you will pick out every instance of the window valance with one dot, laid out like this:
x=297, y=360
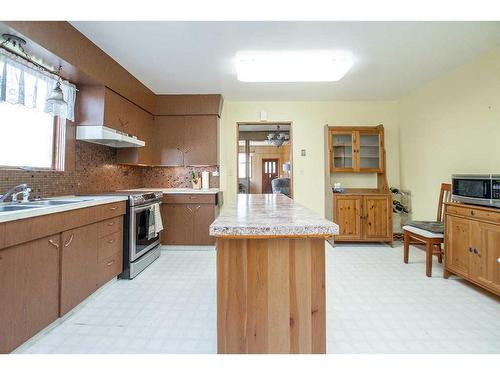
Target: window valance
x=24, y=84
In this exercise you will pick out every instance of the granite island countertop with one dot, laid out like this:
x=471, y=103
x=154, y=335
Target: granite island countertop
x=270, y=215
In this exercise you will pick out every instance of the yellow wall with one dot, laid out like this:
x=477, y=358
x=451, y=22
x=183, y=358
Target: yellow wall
x=450, y=125
x=308, y=120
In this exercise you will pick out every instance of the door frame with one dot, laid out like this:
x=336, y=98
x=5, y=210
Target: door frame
x=264, y=123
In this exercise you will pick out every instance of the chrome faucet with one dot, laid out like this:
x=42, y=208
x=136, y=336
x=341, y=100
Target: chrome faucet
x=25, y=191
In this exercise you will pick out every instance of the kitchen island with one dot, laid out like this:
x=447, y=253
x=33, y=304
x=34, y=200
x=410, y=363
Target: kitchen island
x=270, y=276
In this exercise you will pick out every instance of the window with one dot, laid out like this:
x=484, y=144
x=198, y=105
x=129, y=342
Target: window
x=30, y=138
x=242, y=161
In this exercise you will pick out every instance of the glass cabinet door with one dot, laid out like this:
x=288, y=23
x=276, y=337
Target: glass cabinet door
x=369, y=152
x=342, y=151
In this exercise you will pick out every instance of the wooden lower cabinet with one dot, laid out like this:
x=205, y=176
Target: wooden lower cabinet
x=44, y=276
x=78, y=266
x=186, y=221
x=363, y=217
x=29, y=292
x=472, y=244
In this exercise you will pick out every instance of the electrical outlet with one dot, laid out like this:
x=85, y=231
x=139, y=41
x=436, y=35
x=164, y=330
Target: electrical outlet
x=303, y=152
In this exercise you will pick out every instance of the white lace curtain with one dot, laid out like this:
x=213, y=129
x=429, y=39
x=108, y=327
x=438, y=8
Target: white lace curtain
x=24, y=84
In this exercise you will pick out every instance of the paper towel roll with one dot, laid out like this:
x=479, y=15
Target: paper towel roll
x=205, y=180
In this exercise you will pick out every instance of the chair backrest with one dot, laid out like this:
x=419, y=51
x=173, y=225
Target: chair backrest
x=444, y=197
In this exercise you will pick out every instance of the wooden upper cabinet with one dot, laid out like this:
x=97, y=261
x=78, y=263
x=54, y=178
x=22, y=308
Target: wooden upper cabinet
x=356, y=150
x=98, y=105
x=185, y=140
x=168, y=143
x=200, y=140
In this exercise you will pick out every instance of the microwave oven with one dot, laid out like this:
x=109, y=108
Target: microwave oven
x=481, y=189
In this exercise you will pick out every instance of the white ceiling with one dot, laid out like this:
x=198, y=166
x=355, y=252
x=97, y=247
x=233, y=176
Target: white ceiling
x=391, y=58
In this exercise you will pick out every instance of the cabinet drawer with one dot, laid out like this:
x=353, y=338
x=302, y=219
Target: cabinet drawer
x=109, y=226
x=473, y=212
x=109, y=245
x=110, y=210
x=189, y=198
x=110, y=267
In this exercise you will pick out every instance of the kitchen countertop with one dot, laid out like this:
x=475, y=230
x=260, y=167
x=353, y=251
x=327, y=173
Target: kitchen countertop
x=270, y=215
x=89, y=201
x=180, y=190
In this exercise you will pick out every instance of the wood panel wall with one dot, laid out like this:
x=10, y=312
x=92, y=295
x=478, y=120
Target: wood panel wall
x=271, y=295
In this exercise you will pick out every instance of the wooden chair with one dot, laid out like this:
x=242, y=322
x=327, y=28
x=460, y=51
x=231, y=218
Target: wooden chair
x=429, y=232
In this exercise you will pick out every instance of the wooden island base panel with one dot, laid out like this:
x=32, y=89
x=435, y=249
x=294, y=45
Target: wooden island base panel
x=270, y=277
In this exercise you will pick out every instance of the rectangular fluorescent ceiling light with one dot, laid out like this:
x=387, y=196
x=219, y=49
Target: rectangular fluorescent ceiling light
x=292, y=66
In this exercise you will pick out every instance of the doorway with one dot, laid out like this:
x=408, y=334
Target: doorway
x=264, y=158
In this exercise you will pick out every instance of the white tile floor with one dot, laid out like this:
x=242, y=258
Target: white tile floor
x=376, y=304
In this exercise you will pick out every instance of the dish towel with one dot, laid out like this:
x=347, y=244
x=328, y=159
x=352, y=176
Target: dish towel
x=158, y=225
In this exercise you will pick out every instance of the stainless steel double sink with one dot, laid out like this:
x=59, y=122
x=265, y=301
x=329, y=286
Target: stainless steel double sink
x=11, y=207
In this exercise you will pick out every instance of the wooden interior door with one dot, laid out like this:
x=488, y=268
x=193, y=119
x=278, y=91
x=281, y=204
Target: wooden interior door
x=377, y=216
x=79, y=267
x=347, y=215
x=458, y=244
x=270, y=171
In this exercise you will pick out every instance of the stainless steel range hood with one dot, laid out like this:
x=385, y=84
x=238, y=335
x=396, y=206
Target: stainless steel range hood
x=106, y=136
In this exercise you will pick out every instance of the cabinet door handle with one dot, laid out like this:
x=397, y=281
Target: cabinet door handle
x=111, y=240
x=114, y=208
x=111, y=223
x=53, y=243
x=470, y=249
x=70, y=240
x=472, y=212
x=197, y=208
x=110, y=263
x=122, y=123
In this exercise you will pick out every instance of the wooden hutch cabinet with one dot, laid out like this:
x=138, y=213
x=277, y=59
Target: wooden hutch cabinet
x=357, y=150
x=472, y=244
x=362, y=214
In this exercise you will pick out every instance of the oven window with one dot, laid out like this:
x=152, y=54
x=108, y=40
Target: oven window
x=142, y=226
x=472, y=188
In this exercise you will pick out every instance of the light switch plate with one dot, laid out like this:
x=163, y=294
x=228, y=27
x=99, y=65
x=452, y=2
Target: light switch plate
x=303, y=152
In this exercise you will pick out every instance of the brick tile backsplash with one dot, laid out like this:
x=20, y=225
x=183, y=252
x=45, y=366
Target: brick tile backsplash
x=96, y=171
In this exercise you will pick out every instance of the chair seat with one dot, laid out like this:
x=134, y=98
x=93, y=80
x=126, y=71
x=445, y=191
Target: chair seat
x=429, y=229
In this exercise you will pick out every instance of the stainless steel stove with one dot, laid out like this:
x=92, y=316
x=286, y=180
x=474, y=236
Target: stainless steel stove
x=140, y=248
